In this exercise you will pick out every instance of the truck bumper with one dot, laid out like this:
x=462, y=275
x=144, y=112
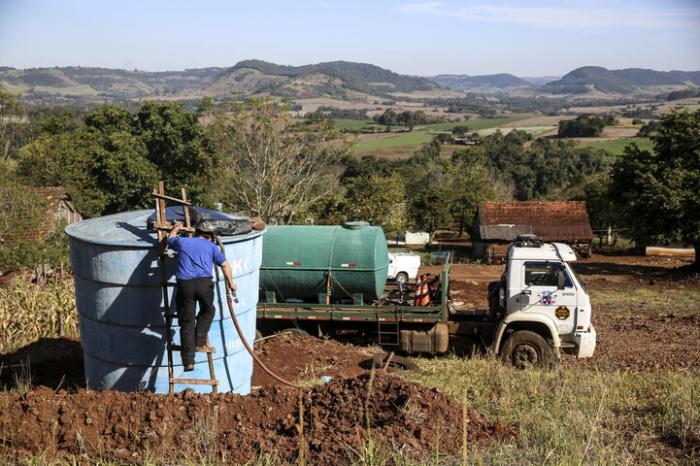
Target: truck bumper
x=585, y=341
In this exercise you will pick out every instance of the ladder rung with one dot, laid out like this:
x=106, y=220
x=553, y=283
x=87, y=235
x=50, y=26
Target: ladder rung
x=170, y=198
x=179, y=348
x=196, y=381
x=168, y=228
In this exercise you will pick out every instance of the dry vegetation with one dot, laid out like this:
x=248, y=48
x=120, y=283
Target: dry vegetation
x=29, y=311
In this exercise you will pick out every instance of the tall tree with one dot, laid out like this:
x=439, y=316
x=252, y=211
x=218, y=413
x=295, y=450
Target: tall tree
x=430, y=209
x=11, y=113
x=660, y=191
x=272, y=166
x=470, y=182
x=178, y=146
x=380, y=200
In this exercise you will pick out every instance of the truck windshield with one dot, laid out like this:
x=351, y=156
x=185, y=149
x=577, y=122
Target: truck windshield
x=579, y=279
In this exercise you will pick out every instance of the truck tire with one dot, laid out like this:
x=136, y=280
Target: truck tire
x=524, y=349
x=401, y=278
x=397, y=362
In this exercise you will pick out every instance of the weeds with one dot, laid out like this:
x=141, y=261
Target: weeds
x=576, y=416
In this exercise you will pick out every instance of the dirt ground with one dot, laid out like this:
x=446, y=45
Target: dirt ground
x=134, y=426
x=313, y=358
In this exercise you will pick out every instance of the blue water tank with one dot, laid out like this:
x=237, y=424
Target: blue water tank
x=120, y=303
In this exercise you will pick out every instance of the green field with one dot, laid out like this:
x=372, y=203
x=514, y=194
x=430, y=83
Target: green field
x=474, y=125
x=420, y=134
x=617, y=146
x=354, y=125
x=413, y=138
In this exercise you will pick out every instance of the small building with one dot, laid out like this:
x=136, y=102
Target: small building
x=60, y=210
x=497, y=224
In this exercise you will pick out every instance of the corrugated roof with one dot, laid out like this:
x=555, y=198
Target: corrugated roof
x=550, y=220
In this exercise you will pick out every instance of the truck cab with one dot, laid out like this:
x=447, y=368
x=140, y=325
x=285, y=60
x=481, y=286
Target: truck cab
x=541, y=300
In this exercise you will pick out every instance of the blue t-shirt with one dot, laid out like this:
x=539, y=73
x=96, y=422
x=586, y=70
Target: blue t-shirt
x=195, y=257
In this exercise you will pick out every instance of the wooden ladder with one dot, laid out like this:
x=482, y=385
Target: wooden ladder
x=163, y=228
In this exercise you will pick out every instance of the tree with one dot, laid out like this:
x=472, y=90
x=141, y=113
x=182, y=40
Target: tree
x=430, y=209
x=272, y=166
x=584, y=126
x=380, y=200
x=470, y=184
x=205, y=107
x=179, y=147
x=11, y=113
x=460, y=131
x=659, y=191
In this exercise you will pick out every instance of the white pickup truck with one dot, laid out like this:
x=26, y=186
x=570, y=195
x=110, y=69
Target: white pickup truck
x=403, y=266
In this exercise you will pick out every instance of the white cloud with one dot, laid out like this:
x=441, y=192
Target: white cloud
x=595, y=16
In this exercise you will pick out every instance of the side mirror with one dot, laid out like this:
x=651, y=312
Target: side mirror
x=561, y=280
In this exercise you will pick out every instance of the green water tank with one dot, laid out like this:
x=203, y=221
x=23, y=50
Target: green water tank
x=298, y=258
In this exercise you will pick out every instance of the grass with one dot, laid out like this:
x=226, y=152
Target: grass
x=413, y=138
x=617, y=146
x=627, y=302
x=475, y=125
x=576, y=416
x=410, y=140
x=354, y=125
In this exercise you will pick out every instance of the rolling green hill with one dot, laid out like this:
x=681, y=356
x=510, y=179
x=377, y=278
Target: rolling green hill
x=484, y=84
x=338, y=79
x=590, y=79
x=331, y=79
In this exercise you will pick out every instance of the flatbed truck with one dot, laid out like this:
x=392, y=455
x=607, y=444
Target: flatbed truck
x=539, y=309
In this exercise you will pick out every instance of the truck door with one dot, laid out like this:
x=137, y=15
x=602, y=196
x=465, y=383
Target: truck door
x=551, y=291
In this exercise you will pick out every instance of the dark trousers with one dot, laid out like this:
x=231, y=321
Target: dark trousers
x=193, y=331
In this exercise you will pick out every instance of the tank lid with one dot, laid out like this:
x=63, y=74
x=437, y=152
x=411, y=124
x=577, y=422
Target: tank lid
x=355, y=225
x=127, y=229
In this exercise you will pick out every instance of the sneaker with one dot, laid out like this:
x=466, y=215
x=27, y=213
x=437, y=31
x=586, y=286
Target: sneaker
x=204, y=349
x=189, y=367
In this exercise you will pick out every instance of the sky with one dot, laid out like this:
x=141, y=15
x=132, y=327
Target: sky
x=526, y=38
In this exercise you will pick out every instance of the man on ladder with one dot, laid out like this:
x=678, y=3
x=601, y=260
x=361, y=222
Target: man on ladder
x=195, y=259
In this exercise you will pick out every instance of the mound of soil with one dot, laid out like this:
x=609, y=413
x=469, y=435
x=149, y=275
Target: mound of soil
x=403, y=416
x=296, y=357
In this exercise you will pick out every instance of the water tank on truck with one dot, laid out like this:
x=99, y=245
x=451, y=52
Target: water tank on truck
x=308, y=262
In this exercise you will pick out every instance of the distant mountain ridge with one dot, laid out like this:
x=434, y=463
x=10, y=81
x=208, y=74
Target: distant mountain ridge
x=249, y=77
x=336, y=79
x=590, y=79
x=491, y=83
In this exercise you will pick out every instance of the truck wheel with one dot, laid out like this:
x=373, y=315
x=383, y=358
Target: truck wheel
x=296, y=331
x=525, y=348
x=402, y=278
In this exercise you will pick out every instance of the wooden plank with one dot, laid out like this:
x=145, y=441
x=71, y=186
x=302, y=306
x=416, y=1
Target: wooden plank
x=196, y=381
x=669, y=252
x=163, y=196
x=186, y=212
x=168, y=227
